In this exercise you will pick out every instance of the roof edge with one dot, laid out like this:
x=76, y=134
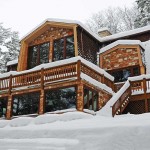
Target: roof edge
x=62, y=21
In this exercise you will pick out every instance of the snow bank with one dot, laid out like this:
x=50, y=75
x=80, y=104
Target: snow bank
x=49, y=118
x=124, y=132
x=21, y=121
x=3, y=123
x=45, y=118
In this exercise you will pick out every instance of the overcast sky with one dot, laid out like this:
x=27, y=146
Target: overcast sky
x=24, y=15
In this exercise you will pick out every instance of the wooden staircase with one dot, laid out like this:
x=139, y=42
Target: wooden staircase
x=121, y=103
x=136, y=88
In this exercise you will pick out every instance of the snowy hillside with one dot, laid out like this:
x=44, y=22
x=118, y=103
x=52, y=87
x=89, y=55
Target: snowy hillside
x=76, y=131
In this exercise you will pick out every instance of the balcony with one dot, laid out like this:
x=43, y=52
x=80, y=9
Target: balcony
x=44, y=75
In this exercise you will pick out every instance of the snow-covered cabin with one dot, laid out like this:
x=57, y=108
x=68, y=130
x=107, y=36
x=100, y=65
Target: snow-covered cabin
x=57, y=69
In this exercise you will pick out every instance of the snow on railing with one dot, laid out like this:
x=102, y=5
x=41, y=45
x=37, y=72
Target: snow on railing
x=54, y=72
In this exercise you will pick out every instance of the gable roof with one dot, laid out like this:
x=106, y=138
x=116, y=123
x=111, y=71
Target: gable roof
x=55, y=20
x=97, y=37
x=121, y=42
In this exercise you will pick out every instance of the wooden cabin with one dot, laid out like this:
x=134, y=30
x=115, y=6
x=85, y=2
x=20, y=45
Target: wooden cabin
x=57, y=69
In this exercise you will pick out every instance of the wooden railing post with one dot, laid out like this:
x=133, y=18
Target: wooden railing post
x=79, y=69
x=10, y=84
x=10, y=99
x=145, y=94
x=42, y=93
x=42, y=78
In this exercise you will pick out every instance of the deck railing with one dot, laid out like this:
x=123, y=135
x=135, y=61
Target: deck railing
x=52, y=74
x=136, y=86
x=121, y=102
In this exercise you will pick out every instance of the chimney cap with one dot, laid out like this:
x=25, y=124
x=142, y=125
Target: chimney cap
x=103, y=29
x=104, y=32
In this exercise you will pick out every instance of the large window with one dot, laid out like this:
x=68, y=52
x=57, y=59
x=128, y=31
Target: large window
x=26, y=104
x=90, y=99
x=3, y=107
x=38, y=54
x=60, y=99
x=123, y=74
x=63, y=48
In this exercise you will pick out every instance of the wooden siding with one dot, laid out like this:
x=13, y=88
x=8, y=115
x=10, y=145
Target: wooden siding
x=50, y=34
x=120, y=57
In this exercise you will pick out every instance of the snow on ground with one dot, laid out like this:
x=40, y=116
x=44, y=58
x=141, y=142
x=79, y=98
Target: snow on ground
x=76, y=131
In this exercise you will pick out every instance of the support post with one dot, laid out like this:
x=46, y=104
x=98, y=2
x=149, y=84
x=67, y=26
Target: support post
x=42, y=94
x=41, y=104
x=10, y=99
x=75, y=40
x=100, y=100
x=80, y=97
x=9, y=107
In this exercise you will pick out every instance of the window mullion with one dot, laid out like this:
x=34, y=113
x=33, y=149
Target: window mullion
x=64, y=50
x=38, y=55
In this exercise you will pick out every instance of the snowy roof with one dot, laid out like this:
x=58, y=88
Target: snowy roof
x=121, y=42
x=63, y=21
x=104, y=39
x=126, y=33
x=13, y=62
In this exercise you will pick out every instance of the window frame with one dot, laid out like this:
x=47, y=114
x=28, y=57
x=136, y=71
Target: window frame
x=26, y=93
x=131, y=68
x=38, y=53
x=53, y=89
x=64, y=47
x=88, y=104
x=5, y=99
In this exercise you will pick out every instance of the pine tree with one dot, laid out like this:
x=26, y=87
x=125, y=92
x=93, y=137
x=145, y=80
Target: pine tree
x=9, y=47
x=143, y=17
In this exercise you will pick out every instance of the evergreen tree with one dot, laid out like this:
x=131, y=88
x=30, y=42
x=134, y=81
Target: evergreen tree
x=143, y=17
x=9, y=47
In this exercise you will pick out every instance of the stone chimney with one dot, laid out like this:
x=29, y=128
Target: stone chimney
x=102, y=32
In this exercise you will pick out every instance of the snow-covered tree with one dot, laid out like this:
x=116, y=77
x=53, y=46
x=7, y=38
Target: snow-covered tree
x=9, y=47
x=108, y=18
x=143, y=17
x=115, y=19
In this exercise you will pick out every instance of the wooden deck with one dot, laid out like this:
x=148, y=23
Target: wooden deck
x=40, y=78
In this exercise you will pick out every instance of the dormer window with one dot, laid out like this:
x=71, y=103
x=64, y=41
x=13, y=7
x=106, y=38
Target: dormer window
x=38, y=54
x=63, y=48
